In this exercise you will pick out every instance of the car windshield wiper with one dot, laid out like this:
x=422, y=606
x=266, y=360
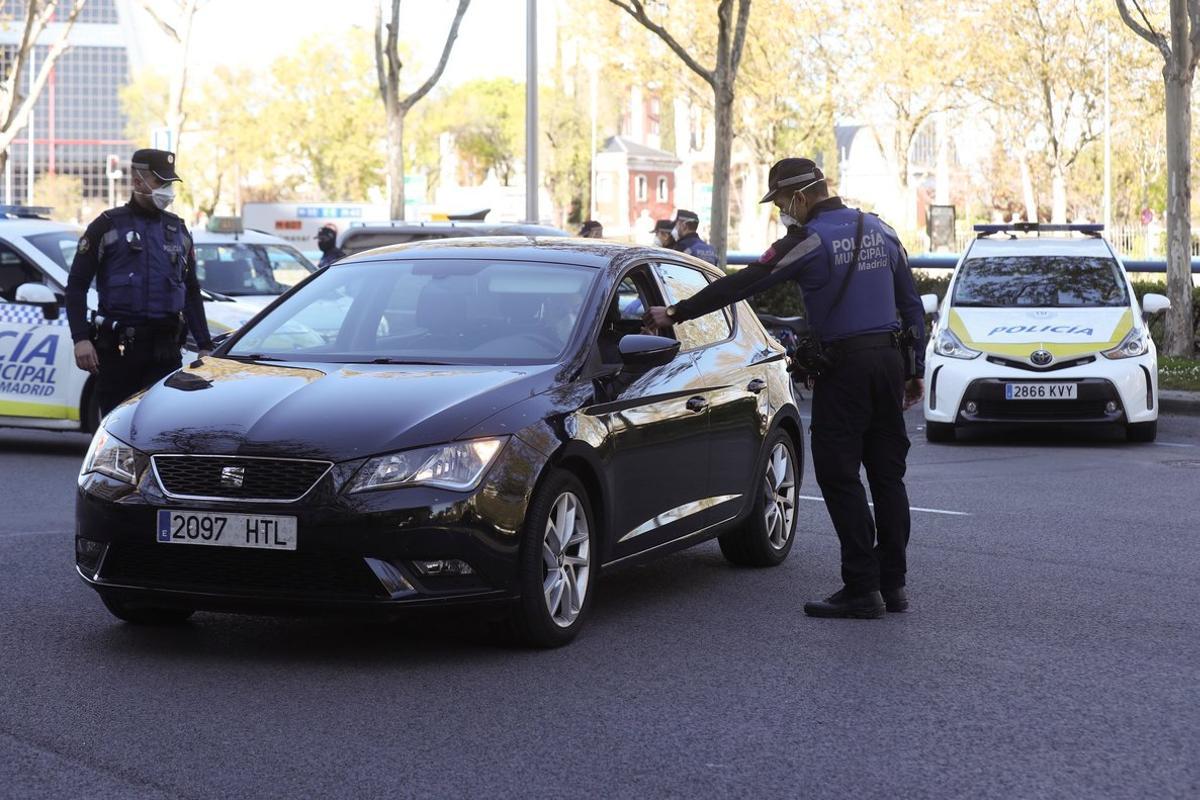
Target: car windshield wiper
x=980, y=304
x=388, y=360
x=252, y=357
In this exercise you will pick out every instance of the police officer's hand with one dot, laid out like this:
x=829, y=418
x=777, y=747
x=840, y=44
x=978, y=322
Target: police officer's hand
x=914, y=391
x=86, y=358
x=203, y=354
x=657, y=317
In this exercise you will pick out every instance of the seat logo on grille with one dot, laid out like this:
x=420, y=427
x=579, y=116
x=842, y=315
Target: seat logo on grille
x=1041, y=357
x=233, y=477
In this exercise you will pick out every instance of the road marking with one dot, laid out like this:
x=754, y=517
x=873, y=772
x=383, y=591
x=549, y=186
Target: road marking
x=1173, y=444
x=911, y=508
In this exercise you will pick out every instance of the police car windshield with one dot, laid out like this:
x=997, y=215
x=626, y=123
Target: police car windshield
x=60, y=246
x=237, y=268
x=445, y=311
x=1042, y=281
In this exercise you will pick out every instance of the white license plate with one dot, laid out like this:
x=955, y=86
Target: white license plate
x=226, y=530
x=1041, y=391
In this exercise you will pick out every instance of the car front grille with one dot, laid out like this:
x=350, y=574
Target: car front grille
x=1016, y=363
x=1041, y=409
x=237, y=477
x=228, y=570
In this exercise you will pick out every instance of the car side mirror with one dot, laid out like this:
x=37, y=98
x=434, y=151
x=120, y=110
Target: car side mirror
x=1153, y=304
x=930, y=301
x=641, y=352
x=37, y=294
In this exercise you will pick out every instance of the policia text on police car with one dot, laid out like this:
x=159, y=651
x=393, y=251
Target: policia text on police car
x=859, y=294
x=144, y=265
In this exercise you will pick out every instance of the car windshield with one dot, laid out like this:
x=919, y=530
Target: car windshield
x=58, y=245
x=237, y=268
x=1043, y=281
x=444, y=311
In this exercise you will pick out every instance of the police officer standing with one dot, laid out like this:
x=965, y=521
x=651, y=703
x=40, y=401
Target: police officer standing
x=142, y=260
x=853, y=273
x=327, y=241
x=686, y=238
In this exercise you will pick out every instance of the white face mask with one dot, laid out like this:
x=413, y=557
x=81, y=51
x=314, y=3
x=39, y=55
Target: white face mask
x=163, y=196
x=788, y=220
x=676, y=233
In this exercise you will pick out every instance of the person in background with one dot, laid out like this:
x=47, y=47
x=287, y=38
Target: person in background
x=327, y=241
x=663, y=235
x=687, y=240
x=592, y=230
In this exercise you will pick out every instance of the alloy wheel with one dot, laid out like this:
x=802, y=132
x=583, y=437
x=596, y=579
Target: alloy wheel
x=566, y=559
x=779, y=487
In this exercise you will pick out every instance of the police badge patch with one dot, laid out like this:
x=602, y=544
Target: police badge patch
x=83, y=244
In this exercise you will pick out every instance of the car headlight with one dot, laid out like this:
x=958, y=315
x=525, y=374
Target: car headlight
x=949, y=345
x=1136, y=343
x=458, y=466
x=109, y=456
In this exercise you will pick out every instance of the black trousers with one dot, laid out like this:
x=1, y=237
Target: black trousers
x=144, y=362
x=858, y=421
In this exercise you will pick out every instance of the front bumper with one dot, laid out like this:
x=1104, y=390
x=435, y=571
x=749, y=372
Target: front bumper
x=353, y=552
x=952, y=385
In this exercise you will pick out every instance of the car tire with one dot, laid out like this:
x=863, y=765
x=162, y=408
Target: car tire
x=557, y=576
x=1141, y=431
x=144, y=615
x=939, y=432
x=765, y=538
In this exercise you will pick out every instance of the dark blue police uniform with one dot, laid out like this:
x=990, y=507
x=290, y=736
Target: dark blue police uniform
x=144, y=266
x=857, y=408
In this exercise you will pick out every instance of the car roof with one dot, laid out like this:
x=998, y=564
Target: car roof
x=246, y=237
x=596, y=253
x=463, y=228
x=1040, y=246
x=32, y=227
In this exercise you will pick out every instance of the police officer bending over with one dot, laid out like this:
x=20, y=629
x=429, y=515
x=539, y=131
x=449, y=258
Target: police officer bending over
x=142, y=260
x=853, y=273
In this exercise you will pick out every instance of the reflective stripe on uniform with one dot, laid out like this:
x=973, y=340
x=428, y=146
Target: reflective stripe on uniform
x=813, y=242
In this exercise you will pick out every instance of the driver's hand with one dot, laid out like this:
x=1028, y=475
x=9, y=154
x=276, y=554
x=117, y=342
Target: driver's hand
x=914, y=391
x=657, y=317
x=86, y=358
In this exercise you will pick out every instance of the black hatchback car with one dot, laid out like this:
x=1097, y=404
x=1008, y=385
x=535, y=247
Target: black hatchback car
x=487, y=421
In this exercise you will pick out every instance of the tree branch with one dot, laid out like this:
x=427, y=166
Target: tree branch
x=636, y=10
x=1193, y=10
x=1147, y=33
x=409, y=101
x=739, y=36
x=16, y=118
x=380, y=74
x=166, y=27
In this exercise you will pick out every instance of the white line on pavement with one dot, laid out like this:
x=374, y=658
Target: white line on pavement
x=912, y=508
x=1173, y=444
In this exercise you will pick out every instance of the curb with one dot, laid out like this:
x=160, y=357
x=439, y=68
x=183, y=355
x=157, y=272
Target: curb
x=1176, y=402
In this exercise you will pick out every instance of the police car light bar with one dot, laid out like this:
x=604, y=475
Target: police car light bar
x=1089, y=228
x=26, y=212
x=225, y=225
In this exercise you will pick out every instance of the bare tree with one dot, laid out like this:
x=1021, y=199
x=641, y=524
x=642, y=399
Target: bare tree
x=388, y=66
x=1180, y=50
x=16, y=95
x=177, y=25
x=731, y=37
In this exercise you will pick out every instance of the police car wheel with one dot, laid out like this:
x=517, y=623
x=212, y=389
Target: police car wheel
x=1141, y=431
x=557, y=568
x=144, y=615
x=939, y=432
x=766, y=537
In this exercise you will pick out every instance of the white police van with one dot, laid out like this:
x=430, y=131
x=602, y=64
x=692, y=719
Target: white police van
x=40, y=386
x=251, y=267
x=1040, y=324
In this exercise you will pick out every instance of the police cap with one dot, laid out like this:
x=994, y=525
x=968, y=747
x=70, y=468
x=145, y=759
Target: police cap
x=159, y=162
x=686, y=216
x=663, y=225
x=791, y=173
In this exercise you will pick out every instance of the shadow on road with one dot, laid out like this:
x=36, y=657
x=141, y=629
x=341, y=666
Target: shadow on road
x=14, y=440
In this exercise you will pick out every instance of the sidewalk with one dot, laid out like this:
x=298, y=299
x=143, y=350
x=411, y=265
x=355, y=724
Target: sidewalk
x=1172, y=401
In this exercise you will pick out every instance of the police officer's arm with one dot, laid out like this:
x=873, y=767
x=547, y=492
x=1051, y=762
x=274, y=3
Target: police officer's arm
x=84, y=268
x=912, y=310
x=781, y=262
x=193, y=304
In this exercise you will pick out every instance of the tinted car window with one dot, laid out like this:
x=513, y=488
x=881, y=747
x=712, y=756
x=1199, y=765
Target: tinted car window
x=681, y=283
x=440, y=311
x=1044, y=281
x=15, y=271
x=240, y=269
x=60, y=246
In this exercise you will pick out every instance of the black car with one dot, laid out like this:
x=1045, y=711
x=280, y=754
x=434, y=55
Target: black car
x=359, y=238
x=487, y=422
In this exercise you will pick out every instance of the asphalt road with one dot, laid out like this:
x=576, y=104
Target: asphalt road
x=1053, y=650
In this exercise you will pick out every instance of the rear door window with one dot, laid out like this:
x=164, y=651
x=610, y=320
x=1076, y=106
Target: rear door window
x=681, y=283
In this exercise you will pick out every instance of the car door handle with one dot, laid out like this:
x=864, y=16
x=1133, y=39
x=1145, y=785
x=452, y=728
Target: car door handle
x=697, y=404
x=756, y=385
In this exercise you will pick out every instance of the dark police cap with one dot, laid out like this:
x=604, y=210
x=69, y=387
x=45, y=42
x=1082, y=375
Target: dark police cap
x=160, y=162
x=663, y=225
x=791, y=173
x=686, y=216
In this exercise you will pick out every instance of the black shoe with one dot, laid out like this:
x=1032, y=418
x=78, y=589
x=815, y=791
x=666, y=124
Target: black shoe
x=895, y=599
x=844, y=605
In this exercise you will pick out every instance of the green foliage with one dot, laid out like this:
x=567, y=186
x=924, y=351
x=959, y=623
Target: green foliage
x=1142, y=288
x=1178, y=373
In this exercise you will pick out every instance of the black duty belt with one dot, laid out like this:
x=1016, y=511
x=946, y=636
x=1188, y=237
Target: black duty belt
x=865, y=341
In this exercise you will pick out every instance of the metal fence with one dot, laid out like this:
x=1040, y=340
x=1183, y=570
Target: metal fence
x=1140, y=242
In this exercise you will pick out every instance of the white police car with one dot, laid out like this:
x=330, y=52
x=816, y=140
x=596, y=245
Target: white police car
x=1039, y=328
x=252, y=267
x=40, y=386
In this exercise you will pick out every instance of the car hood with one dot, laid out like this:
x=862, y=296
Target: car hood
x=228, y=315
x=329, y=411
x=1061, y=331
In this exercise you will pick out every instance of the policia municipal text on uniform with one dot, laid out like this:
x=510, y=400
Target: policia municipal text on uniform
x=142, y=260
x=858, y=289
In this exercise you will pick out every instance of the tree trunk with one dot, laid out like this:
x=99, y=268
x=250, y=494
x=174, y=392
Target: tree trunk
x=719, y=227
x=1180, y=338
x=396, y=160
x=1031, y=212
x=175, y=113
x=1058, y=194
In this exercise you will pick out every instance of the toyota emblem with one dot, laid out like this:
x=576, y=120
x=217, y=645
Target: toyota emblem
x=233, y=477
x=1041, y=358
